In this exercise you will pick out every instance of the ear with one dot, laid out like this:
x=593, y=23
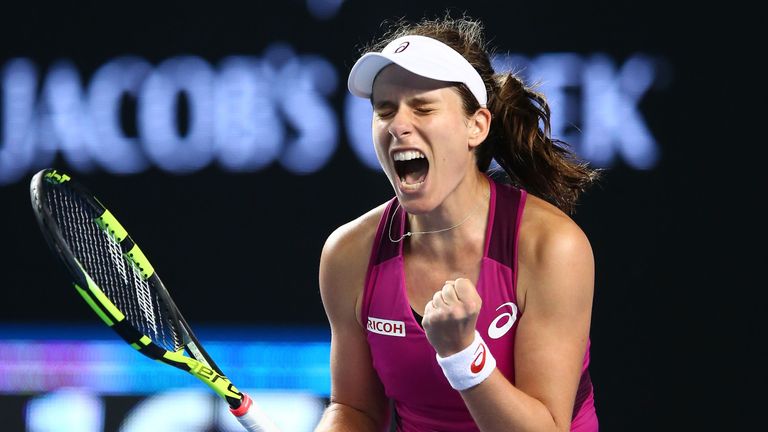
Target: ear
x=479, y=124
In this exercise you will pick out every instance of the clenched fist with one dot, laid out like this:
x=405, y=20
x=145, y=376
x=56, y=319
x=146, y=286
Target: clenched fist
x=450, y=317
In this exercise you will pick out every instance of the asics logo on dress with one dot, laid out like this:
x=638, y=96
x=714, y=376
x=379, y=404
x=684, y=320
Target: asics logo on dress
x=386, y=327
x=495, y=331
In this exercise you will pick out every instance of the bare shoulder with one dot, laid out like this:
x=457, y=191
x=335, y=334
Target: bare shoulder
x=551, y=242
x=544, y=227
x=348, y=242
x=344, y=262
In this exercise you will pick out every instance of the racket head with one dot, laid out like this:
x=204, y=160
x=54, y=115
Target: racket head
x=116, y=279
x=94, y=247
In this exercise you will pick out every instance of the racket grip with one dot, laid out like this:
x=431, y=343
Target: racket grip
x=252, y=417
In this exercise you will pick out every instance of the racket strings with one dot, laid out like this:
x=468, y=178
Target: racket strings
x=143, y=294
x=101, y=257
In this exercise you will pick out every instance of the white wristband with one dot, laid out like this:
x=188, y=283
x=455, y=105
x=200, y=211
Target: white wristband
x=470, y=366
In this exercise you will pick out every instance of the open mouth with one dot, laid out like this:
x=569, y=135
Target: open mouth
x=411, y=167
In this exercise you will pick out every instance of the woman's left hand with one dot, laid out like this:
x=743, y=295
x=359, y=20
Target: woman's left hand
x=450, y=317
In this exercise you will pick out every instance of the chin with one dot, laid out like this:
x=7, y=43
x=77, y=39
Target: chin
x=416, y=205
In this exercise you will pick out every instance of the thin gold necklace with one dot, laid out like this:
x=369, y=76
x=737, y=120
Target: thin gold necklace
x=410, y=233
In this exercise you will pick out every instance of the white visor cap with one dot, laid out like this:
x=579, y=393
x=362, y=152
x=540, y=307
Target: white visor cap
x=421, y=55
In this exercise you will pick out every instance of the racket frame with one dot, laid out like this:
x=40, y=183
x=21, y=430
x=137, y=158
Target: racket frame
x=198, y=362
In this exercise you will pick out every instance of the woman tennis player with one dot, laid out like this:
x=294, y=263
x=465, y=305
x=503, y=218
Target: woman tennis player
x=465, y=300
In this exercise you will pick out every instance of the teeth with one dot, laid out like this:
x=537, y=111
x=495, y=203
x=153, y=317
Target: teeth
x=405, y=185
x=408, y=155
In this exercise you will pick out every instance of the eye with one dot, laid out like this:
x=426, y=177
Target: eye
x=384, y=114
x=424, y=110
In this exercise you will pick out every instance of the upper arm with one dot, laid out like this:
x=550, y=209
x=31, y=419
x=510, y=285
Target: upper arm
x=557, y=269
x=355, y=387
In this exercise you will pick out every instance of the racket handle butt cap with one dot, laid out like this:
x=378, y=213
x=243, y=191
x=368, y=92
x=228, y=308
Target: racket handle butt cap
x=252, y=417
x=244, y=407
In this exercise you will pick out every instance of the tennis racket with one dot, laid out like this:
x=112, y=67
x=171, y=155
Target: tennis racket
x=118, y=282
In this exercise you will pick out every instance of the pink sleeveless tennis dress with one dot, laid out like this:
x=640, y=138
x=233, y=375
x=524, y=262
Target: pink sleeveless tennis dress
x=402, y=356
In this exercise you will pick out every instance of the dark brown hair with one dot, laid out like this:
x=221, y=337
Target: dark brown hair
x=519, y=140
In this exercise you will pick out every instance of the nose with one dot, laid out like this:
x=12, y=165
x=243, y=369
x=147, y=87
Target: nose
x=401, y=125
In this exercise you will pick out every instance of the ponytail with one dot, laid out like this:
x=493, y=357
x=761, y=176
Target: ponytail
x=520, y=143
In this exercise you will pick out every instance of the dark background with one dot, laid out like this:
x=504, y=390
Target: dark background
x=677, y=324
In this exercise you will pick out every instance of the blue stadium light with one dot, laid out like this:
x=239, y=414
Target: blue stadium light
x=113, y=149
x=594, y=103
x=245, y=118
x=247, y=113
x=66, y=110
x=305, y=86
x=70, y=372
x=158, y=120
x=19, y=146
x=83, y=410
x=357, y=115
x=34, y=360
x=324, y=9
x=66, y=410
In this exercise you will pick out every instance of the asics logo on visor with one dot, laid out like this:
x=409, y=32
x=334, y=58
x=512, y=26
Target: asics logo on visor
x=402, y=47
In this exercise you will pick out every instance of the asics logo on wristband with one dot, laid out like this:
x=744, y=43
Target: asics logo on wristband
x=478, y=366
x=494, y=331
x=477, y=356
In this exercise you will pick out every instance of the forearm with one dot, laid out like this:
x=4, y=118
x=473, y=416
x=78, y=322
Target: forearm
x=497, y=405
x=342, y=418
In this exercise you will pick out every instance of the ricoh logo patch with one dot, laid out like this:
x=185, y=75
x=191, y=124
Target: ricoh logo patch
x=386, y=327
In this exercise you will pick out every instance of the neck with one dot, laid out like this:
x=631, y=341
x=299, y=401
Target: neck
x=454, y=245
x=457, y=221
x=461, y=207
